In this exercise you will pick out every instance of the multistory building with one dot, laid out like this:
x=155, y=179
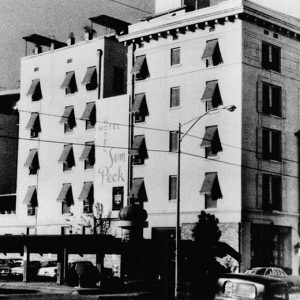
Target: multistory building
x=242, y=166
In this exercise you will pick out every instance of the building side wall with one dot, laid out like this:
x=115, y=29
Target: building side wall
x=253, y=122
x=8, y=152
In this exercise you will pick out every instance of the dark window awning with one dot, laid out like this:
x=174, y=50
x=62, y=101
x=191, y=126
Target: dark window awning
x=31, y=196
x=66, y=194
x=88, y=111
x=138, y=145
x=139, y=62
x=33, y=121
x=211, y=47
x=90, y=72
x=67, y=81
x=211, y=89
x=33, y=156
x=138, y=191
x=44, y=41
x=111, y=22
x=65, y=154
x=87, y=151
x=86, y=192
x=211, y=133
x=69, y=110
x=35, y=84
x=211, y=186
x=139, y=103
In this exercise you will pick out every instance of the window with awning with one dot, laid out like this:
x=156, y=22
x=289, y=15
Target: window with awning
x=89, y=115
x=32, y=161
x=87, y=195
x=211, y=141
x=31, y=200
x=34, y=125
x=69, y=83
x=212, y=54
x=88, y=155
x=68, y=119
x=140, y=108
x=35, y=90
x=90, y=78
x=212, y=95
x=66, y=194
x=211, y=186
x=67, y=158
x=140, y=68
x=138, y=191
x=139, y=149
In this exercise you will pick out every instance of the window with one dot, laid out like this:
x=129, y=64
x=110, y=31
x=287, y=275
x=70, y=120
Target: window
x=31, y=200
x=32, y=162
x=211, y=141
x=209, y=202
x=67, y=158
x=35, y=90
x=271, y=192
x=66, y=197
x=172, y=187
x=118, y=80
x=271, y=99
x=174, y=97
x=89, y=115
x=87, y=195
x=212, y=95
x=173, y=141
x=139, y=108
x=117, y=197
x=211, y=187
x=90, y=79
x=65, y=208
x=7, y=204
x=137, y=192
x=139, y=150
x=68, y=119
x=271, y=144
x=212, y=54
x=175, y=56
x=88, y=155
x=270, y=57
x=34, y=125
x=69, y=83
x=140, y=68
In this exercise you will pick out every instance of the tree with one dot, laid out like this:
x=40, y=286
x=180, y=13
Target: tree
x=205, y=268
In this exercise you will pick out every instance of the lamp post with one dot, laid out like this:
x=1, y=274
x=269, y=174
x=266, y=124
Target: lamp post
x=180, y=137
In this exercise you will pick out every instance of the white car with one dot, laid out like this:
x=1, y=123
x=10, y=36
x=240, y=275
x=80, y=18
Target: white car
x=48, y=268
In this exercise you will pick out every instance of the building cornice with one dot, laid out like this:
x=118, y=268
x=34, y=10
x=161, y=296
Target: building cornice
x=173, y=24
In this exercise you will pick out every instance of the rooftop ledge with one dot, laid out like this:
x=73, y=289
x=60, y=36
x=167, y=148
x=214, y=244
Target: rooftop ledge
x=181, y=20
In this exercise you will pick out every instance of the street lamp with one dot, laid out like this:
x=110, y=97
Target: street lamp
x=230, y=108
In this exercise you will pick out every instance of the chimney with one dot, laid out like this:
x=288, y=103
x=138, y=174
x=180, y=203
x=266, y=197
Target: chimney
x=71, y=39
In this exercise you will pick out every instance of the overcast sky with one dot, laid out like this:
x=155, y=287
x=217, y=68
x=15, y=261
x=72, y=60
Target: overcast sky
x=57, y=18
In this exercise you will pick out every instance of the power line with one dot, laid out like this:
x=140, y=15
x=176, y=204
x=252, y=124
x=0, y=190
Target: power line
x=162, y=130
x=152, y=150
x=130, y=6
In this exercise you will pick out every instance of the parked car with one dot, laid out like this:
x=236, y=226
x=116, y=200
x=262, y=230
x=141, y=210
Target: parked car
x=6, y=265
x=276, y=272
x=251, y=287
x=48, y=268
x=82, y=273
x=33, y=267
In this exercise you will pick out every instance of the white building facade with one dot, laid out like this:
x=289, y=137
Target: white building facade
x=240, y=166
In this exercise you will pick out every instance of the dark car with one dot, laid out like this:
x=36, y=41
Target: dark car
x=33, y=267
x=82, y=273
x=250, y=287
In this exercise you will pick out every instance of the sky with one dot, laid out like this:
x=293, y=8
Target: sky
x=57, y=18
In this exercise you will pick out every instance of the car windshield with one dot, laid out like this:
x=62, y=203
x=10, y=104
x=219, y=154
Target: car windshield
x=45, y=264
x=259, y=271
